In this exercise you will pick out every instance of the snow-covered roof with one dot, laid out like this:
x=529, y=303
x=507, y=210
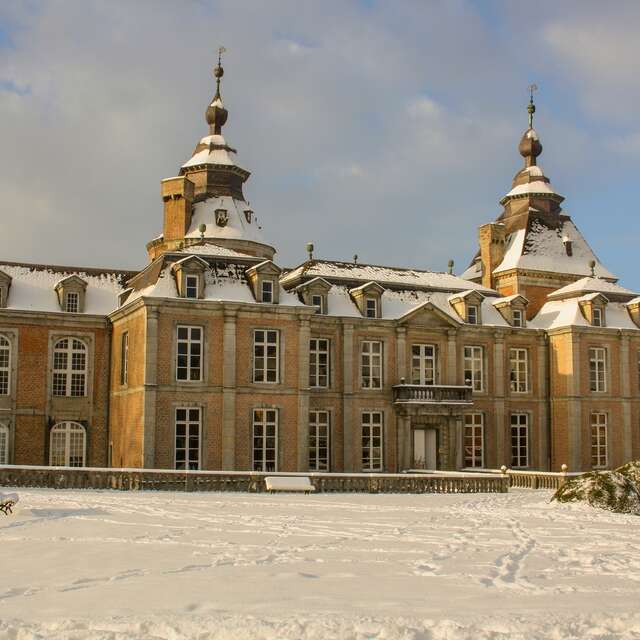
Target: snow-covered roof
x=538, y=186
x=214, y=250
x=385, y=276
x=544, y=250
x=216, y=151
x=33, y=287
x=533, y=170
x=509, y=299
x=239, y=226
x=590, y=285
x=566, y=313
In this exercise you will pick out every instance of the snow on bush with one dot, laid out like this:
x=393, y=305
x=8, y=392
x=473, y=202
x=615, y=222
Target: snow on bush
x=631, y=470
x=609, y=490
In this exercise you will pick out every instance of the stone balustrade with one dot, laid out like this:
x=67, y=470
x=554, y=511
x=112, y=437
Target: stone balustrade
x=253, y=482
x=432, y=394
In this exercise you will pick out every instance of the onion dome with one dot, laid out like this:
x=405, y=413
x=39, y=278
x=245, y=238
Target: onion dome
x=530, y=147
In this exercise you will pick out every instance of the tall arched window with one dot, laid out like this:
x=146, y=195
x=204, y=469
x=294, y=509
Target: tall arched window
x=69, y=367
x=5, y=365
x=4, y=444
x=68, y=443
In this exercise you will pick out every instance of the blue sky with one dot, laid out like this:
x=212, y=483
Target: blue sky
x=386, y=129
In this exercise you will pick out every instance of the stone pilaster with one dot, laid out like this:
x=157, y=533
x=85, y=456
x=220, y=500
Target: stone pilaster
x=347, y=406
x=304, y=334
x=150, y=389
x=499, y=376
x=543, y=391
x=401, y=354
x=625, y=390
x=452, y=357
x=229, y=390
x=575, y=409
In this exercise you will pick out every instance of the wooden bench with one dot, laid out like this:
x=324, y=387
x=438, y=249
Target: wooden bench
x=7, y=502
x=289, y=483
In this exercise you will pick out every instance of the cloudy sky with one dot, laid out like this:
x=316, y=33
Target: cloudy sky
x=383, y=128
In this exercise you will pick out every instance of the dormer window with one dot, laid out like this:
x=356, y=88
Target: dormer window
x=72, y=302
x=267, y=291
x=192, y=286
x=318, y=301
x=472, y=314
x=518, y=318
x=468, y=306
x=597, y=318
x=222, y=217
x=371, y=307
x=248, y=214
x=5, y=283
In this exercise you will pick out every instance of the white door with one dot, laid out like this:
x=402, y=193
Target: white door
x=425, y=454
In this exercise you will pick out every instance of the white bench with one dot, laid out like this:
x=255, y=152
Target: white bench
x=7, y=502
x=288, y=483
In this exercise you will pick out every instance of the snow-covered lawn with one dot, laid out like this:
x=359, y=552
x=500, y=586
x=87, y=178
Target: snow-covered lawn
x=103, y=564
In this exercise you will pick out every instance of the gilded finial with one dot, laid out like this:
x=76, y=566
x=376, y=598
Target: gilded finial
x=531, y=108
x=216, y=114
x=218, y=71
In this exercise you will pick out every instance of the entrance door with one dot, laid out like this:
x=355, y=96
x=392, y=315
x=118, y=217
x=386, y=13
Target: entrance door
x=425, y=449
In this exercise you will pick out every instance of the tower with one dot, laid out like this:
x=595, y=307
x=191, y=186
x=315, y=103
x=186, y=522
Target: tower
x=205, y=203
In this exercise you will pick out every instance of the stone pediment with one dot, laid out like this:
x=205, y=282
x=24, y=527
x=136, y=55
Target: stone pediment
x=428, y=315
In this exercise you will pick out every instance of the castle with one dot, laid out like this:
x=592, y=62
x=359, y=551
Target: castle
x=214, y=357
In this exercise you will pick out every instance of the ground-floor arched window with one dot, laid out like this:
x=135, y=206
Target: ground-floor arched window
x=4, y=444
x=68, y=443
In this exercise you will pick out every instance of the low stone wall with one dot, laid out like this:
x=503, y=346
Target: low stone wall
x=161, y=480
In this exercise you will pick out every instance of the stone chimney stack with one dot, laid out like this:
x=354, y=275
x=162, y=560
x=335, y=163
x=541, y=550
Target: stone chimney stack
x=492, y=247
x=177, y=195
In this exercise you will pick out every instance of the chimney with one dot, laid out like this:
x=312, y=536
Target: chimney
x=177, y=195
x=492, y=247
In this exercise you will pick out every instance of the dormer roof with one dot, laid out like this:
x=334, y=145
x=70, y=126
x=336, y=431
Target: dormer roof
x=266, y=266
x=591, y=285
x=193, y=261
x=368, y=287
x=71, y=280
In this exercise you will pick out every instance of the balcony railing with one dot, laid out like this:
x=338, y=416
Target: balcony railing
x=431, y=394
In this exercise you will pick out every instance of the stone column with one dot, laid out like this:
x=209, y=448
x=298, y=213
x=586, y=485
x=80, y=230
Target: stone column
x=401, y=354
x=304, y=334
x=229, y=384
x=575, y=409
x=347, y=397
x=543, y=392
x=625, y=392
x=452, y=357
x=150, y=389
x=499, y=377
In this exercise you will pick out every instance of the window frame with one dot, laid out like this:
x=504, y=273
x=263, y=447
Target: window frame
x=369, y=441
x=68, y=297
x=315, y=364
x=321, y=307
x=371, y=306
x=68, y=373
x=265, y=344
x=520, y=368
x=600, y=313
x=189, y=341
x=264, y=423
x=70, y=427
x=124, y=358
x=188, y=422
x=370, y=356
x=521, y=427
x=5, y=442
x=474, y=422
x=191, y=288
x=473, y=360
x=269, y=297
x=519, y=323
x=598, y=369
x=599, y=439
x=475, y=308
x=422, y=367
x=315, y=424
x=5, y=365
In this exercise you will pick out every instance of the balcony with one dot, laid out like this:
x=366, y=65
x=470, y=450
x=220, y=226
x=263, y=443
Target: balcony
x=432, y=394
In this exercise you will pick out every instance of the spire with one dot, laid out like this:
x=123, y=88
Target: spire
x=531, y=108
x=216, y=114
x=530, y=147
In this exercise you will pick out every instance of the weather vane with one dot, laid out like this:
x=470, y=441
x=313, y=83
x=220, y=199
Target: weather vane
x=221, y=50
x=531, y=108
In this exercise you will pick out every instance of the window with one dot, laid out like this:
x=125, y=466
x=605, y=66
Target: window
x=472, y=314
x=423, y=364
x=319, y=362
x=519, y=440
x=69, y=368
x=266, y=356
x=189, y=354
x=72, y=302
x=191, y=286
x=371, y=307
x=265, y=440
x=187, y=449
x=317, y=300
x=474, y=368
x=474, y=440
x=67, y=445
x=4, y=444
x=518, y=318
x=3, y=303
x=124, y=358
x=597, y=369
x=371, y=364
x=598, y=440
x=372, y=441
x=5, y=365
x=519, y=370
x=267, y=291
x=318, y=441
x=597, y=317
